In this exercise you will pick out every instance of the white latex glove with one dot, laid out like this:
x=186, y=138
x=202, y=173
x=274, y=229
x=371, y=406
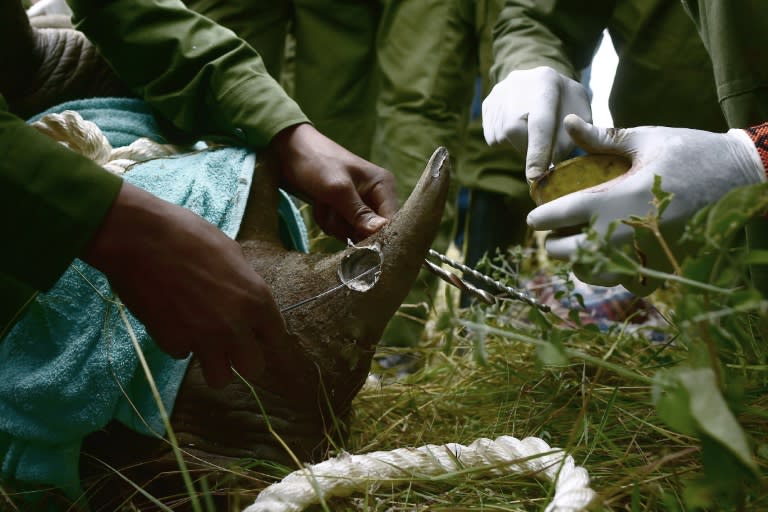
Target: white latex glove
x=698, y=167
x=526, y=109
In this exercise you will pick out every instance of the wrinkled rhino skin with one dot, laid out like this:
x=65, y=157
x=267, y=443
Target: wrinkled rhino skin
x=49, y=65
x=309, y=382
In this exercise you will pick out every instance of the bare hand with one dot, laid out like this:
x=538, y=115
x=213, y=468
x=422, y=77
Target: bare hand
x=188, y=283
x=351, y=197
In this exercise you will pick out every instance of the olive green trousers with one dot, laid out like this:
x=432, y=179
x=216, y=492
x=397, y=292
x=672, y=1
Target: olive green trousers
x=430, y=54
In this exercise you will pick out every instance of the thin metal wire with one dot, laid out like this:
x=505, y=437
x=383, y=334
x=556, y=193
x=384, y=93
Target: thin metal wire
x=329, y=290
x=449, y=278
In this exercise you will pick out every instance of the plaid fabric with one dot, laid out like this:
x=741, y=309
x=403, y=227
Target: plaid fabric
x=759, y=135
x=606, y=307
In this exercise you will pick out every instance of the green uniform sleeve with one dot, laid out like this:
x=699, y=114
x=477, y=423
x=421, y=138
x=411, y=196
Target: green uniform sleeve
x=561, y=34
x=196, y=73
x=52, y=200
x=734, y=35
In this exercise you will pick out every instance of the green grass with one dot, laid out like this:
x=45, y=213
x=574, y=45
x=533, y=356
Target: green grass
x=605, y=421
x=674, y=426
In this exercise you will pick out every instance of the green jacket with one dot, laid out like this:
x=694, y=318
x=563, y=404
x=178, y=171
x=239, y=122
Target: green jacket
x=733, y=34
x=195, y=73
x=664, y=75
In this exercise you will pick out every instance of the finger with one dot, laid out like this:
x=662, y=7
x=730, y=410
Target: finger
x=516, y=134
x=265, y=322
x=541, y=133
x=562, y=248
x=570, y=210
x=594, y=139
x=382, y=196
x=575, y=101
x=180, y=353
x=499, y=123
x=216, y=367
x=351, y=208
x=175, y=345
x=505, y=117
x=248, y=360
x=332, y=224
x=489, y=115
x=266, y=332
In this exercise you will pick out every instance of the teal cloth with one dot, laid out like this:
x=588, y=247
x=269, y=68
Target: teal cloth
x=68, y=366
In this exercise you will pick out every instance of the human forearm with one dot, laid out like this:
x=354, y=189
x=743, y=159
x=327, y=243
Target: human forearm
x=561, y=35
x=193, y=71
x=51, y=202
x=18, y=57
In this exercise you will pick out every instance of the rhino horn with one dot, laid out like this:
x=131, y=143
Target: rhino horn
x=334, y=336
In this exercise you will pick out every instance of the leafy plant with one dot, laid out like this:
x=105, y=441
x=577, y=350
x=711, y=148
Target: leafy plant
x=719, y=319
x=674, y=425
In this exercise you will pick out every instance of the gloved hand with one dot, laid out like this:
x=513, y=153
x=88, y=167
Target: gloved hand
x=526, y=109
x=698, y=167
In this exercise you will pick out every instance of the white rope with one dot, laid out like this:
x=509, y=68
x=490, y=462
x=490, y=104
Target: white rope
x=346, y=474
x=84, y=137
x=48, y=7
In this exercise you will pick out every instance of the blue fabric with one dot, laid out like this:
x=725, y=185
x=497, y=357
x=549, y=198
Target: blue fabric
x=122, y=120
x=69, y=366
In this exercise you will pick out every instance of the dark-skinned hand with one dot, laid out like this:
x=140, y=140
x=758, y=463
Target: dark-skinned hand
x=188, y=283
x=351, y=197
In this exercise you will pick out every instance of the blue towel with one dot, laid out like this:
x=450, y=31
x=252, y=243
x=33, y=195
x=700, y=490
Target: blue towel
x=122, y=120
x=68, y=366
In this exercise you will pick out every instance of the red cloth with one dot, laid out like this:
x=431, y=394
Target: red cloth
x=759, y=135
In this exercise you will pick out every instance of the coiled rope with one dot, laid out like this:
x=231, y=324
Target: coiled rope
x=347, y=474
x=71, y=130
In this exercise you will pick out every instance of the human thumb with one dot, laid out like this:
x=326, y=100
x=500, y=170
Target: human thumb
x=370, y=222
x=363, y=219
x=591, y=138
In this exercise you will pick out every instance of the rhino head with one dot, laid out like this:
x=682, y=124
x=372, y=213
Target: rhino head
x=49, y=63
x=299, y=405
x=309, y=381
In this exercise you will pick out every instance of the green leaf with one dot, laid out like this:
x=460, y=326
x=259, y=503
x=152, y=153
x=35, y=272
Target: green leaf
x=698, y=494
x=670, y=502
x=672, y=402
x=762, y=451
x=699, y=268
x=743, y=299
x=717, y=224
x=757, y=257
x=538, y=319
x=689, y=400
x=549, y=355
x=661, y=198
x=553, y=352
